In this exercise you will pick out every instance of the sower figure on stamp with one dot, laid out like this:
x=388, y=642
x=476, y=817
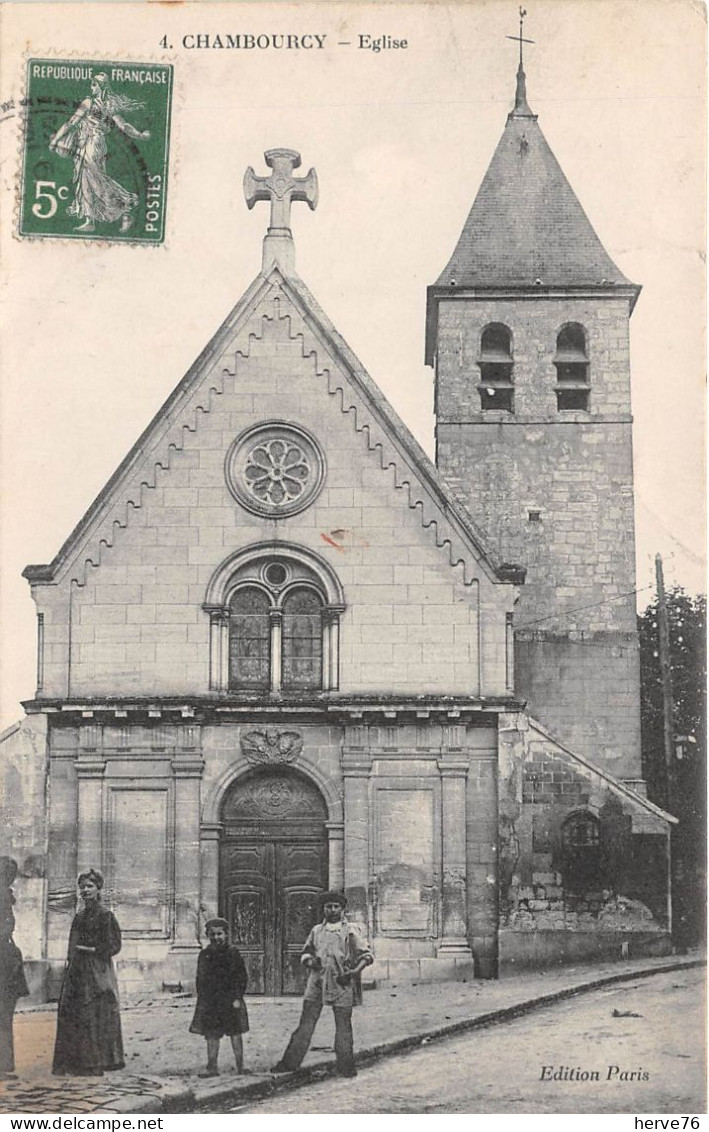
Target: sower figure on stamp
x=220, y=1009
x=334, y=954
x=84, y=138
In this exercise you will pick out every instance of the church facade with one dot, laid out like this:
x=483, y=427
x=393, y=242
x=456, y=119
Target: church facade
x=285, y=652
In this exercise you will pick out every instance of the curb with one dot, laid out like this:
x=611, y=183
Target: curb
x=264, y=1086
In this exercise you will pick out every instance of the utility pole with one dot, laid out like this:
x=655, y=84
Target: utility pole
x=677, y=887
x=666, y=675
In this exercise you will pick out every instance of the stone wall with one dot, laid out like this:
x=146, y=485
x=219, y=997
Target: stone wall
x=420, y=846
x=482, y=842
x=411, y=832
x=612, y=883
x=23, y=777
x=553, y=491
x=585, y=687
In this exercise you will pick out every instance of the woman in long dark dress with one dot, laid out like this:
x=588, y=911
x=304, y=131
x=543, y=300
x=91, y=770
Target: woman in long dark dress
x=88, y=1021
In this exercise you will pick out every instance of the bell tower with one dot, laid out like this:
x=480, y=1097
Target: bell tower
x=528, y=333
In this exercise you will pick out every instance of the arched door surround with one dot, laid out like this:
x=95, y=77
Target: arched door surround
x=273, y=866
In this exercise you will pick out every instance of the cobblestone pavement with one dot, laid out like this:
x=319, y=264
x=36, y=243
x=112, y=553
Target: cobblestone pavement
x=163, y=1058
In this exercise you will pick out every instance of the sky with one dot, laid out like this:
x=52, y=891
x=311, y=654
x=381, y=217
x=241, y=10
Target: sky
x=96, y=336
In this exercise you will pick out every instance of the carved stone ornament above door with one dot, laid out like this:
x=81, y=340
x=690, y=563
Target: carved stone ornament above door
x=264, y=748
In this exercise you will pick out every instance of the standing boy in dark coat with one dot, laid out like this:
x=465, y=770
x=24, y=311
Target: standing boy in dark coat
x=220, y=1009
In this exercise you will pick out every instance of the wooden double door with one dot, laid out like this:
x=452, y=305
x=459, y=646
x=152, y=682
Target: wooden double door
x=273, y=869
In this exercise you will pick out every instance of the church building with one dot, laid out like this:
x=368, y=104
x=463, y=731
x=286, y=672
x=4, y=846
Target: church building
x=283, y=651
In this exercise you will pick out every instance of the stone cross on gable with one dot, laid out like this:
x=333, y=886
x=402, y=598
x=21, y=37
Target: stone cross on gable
x=281, y=187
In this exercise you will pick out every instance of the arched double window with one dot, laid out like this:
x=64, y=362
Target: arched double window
x=276, y=643
x=275, y=620
x=572, y=366
x=496, y=365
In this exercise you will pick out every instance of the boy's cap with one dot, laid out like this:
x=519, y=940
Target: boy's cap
x=217, y=922
x=333, y=898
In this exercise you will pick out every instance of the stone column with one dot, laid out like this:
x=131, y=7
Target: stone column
x=325, y=673
x=187, y=770
x=210, y=840
x=218, y=649
x=332, y=639
x=356, y=767
x=509, y=653
x=276, y=629
x=90, y=770
x=336, y=854
x=454, y=939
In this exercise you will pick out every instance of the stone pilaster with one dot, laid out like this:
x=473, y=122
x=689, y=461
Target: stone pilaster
x=356, y=769
x=90, y=769
x=454, y=939
x=187, y=771
x=336, y=854
x=209, y=857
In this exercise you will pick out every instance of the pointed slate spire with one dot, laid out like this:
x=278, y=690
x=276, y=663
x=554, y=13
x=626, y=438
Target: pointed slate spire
x=526, y=227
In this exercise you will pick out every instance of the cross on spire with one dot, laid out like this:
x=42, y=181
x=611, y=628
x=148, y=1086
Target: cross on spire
x=520, y=38
x=521, y=109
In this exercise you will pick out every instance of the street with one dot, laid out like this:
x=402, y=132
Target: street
x=630, y=1048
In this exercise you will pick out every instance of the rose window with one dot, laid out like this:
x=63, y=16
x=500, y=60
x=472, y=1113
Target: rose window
x=275, y=469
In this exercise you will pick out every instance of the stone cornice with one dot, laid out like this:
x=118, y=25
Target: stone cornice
x=190, y=767
x=90, y=767
x=453, y=768
x=324, y=708
x=497, y=417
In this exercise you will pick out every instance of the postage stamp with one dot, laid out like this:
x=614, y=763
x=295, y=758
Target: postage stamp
x=96, y=150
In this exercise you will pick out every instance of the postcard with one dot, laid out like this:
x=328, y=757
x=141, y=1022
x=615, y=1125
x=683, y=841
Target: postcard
x=352, y=410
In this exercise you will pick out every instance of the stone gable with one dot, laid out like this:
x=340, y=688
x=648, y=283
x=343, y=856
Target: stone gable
x=424, y=610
